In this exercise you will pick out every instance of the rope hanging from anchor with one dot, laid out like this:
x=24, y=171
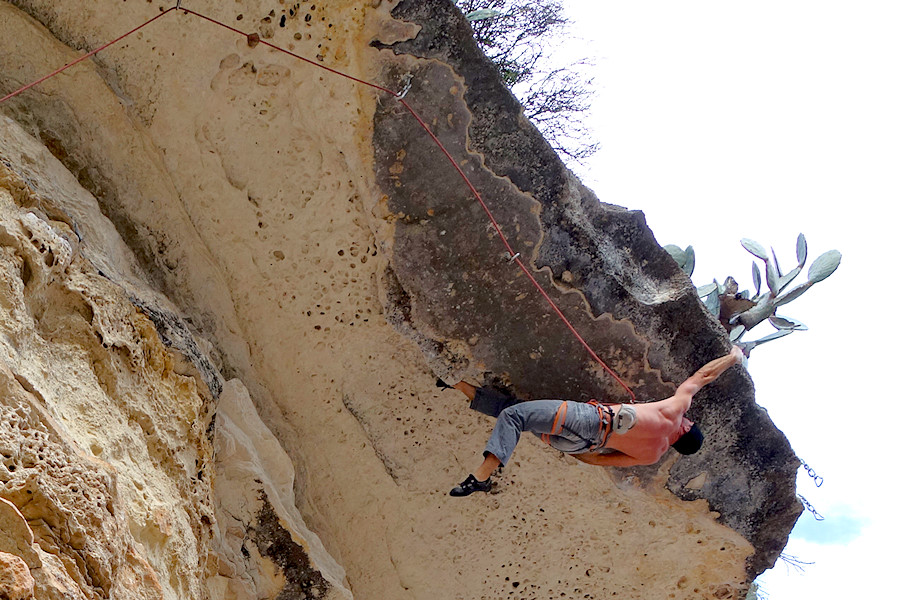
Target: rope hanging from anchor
x=514, y=257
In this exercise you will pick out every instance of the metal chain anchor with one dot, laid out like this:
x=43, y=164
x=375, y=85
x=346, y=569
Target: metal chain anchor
x=817, y=479
x=810, y=508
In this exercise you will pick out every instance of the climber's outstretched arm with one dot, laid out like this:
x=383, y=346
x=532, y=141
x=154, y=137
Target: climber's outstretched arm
x=705, y=375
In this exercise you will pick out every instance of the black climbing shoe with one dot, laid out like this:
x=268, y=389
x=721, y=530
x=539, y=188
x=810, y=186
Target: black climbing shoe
x=443, y=385
x=471, y=485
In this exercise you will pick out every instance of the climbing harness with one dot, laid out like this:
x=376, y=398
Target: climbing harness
x=558, y=422
x=607, y=425
x=625, y=419
x=514, y=257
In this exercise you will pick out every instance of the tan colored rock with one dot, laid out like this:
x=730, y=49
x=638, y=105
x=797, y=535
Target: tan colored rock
x=16, y=536
x=16, y=582
x=264, y=547
x=103, y=431
x=102, y=442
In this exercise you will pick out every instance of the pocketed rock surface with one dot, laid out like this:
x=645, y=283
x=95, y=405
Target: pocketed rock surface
x=230, y=277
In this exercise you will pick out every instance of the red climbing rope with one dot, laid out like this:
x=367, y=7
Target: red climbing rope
x=86, y=56
x=514, y=255
x=288, y=52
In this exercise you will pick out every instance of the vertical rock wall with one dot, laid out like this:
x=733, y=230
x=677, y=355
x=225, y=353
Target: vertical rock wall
x=106, y=463
x=110, y=483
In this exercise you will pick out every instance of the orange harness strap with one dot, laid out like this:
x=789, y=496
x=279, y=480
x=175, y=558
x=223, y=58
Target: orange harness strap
x=606, y=423
x=558, y=422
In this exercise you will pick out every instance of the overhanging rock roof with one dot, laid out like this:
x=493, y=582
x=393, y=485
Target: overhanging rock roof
x=450, y=287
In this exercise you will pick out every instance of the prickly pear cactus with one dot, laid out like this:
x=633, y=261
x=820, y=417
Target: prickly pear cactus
x=739, y=312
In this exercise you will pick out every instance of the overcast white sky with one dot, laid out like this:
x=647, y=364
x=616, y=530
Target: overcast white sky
x=722, y=120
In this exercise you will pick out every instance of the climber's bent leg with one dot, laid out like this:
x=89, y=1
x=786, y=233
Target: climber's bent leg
x=485, y=400
x=537, y=416
x=487, y=467
x=491, y=402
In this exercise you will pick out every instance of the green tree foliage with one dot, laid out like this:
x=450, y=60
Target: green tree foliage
x=515, y=35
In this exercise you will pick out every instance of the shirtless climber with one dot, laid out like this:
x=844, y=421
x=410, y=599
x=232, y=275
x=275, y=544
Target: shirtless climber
x=608, y=435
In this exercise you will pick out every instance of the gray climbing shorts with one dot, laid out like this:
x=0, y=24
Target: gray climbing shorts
x=576, y=433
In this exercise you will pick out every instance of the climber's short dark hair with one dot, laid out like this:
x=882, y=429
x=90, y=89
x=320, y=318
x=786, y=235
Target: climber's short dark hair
x=690, y=442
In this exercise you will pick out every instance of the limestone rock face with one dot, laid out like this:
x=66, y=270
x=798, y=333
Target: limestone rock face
x=107, y=422
x=228, y=278
x=16, y=581
x=256, y=515
x=103, y=442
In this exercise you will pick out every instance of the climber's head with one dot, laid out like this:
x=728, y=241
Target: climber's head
x=691, y=439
